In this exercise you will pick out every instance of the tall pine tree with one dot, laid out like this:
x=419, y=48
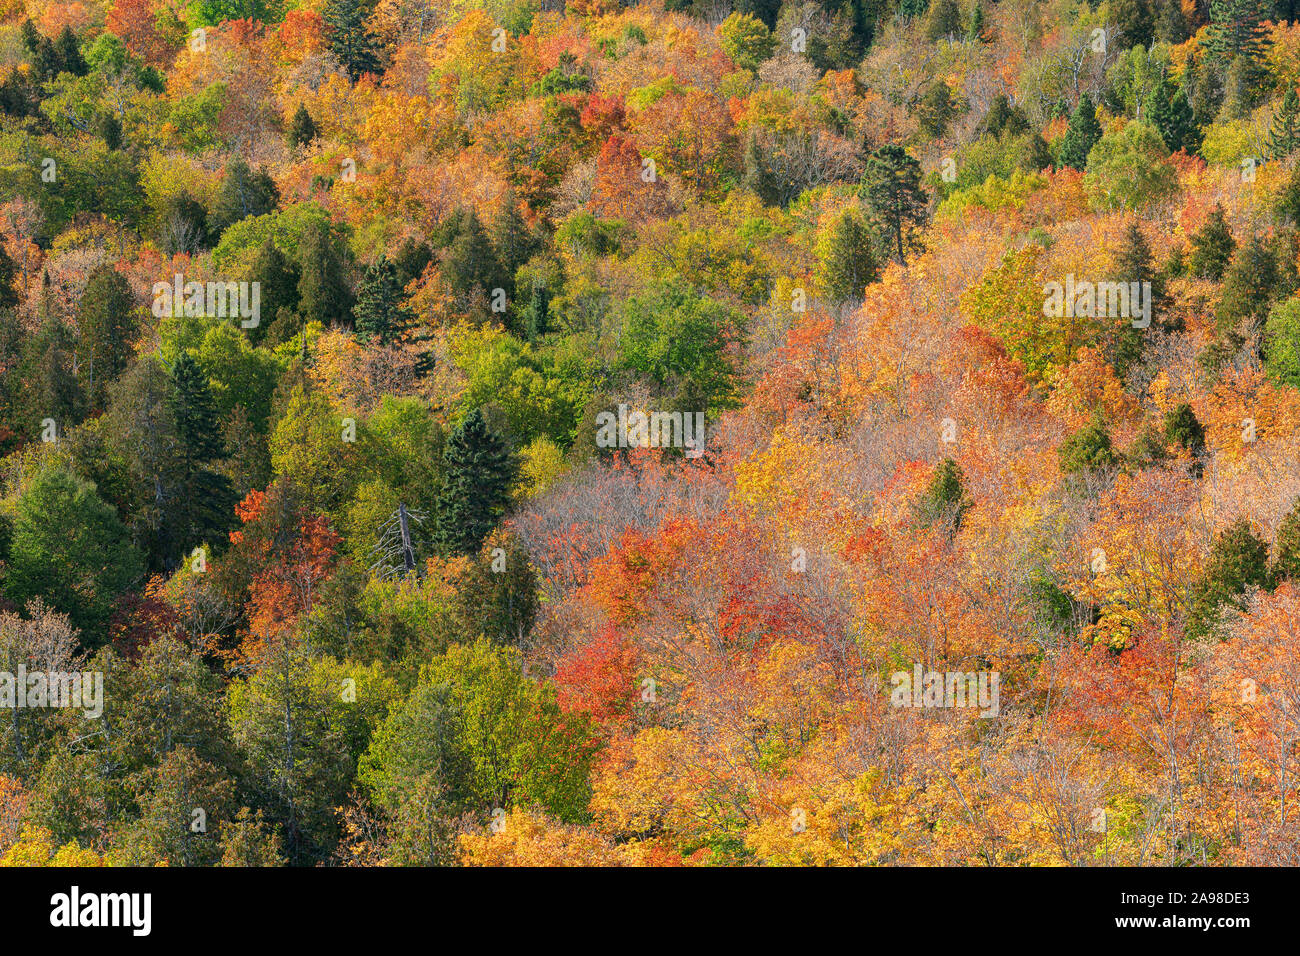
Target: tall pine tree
x=898, y=205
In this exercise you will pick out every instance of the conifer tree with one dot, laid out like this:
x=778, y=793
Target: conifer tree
x=1135, y=19
x=323, y=295
x=278, y=281
x=107, y=323
x=1286, y=550
x=1237, y=29
x=1249, y=286
x=1284, y=134
x=110, y=130
x=845, y=263
x=68, y=51
x=758, y=178
x=1003, y=117
x=945, y=500
x=1238, y=561
x=1169, y=112
x=302, y=128
x=243, y=193
x=478, y=470
x=1212, y=247
x=536, y=319
x=1081, y=135
x=8, y=273
x=471, y=261
x=350, y=38
x=512, y=244
x=380, y=314
x=1183, y=428
x=205, y=505
x=891, y=188
x=1088, y=450
x=944, y=20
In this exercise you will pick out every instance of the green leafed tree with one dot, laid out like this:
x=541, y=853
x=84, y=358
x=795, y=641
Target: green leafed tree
x=69, y=549
x=1284, y=133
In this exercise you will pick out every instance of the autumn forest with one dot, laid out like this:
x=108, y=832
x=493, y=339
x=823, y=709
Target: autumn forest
x=679, y=433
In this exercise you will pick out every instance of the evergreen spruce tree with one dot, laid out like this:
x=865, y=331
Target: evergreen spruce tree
x=1002, y=117
x=1133, y=262
x=758, y=178
x=1087, y=451
x=1212, y=247
x=944, y=20
x=110, y=130
x=302, y=129
x=1288, y=206
x=278, y=287
x=1238, y=561
x=68, y=51
x=205, y=505
x=1286, y=550
x=411, y=258
x=1169, y=112
x=1284, y=134
x=1249, y=286
x=471, y=262
x=49, y=386
x=8, y=273
x=1081, y=135
x=1237, y=29
x=945, y=501
x=536, y=319
x=845, y=263
x=935, y=110
x=323, y=295
x=1136, y=21
x=243, y=193
x=975, y=29
x=107, y=324
x=512, y=244
x=478, y=470
x=380, y=314
x=350, y=39
x=1184, y=429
